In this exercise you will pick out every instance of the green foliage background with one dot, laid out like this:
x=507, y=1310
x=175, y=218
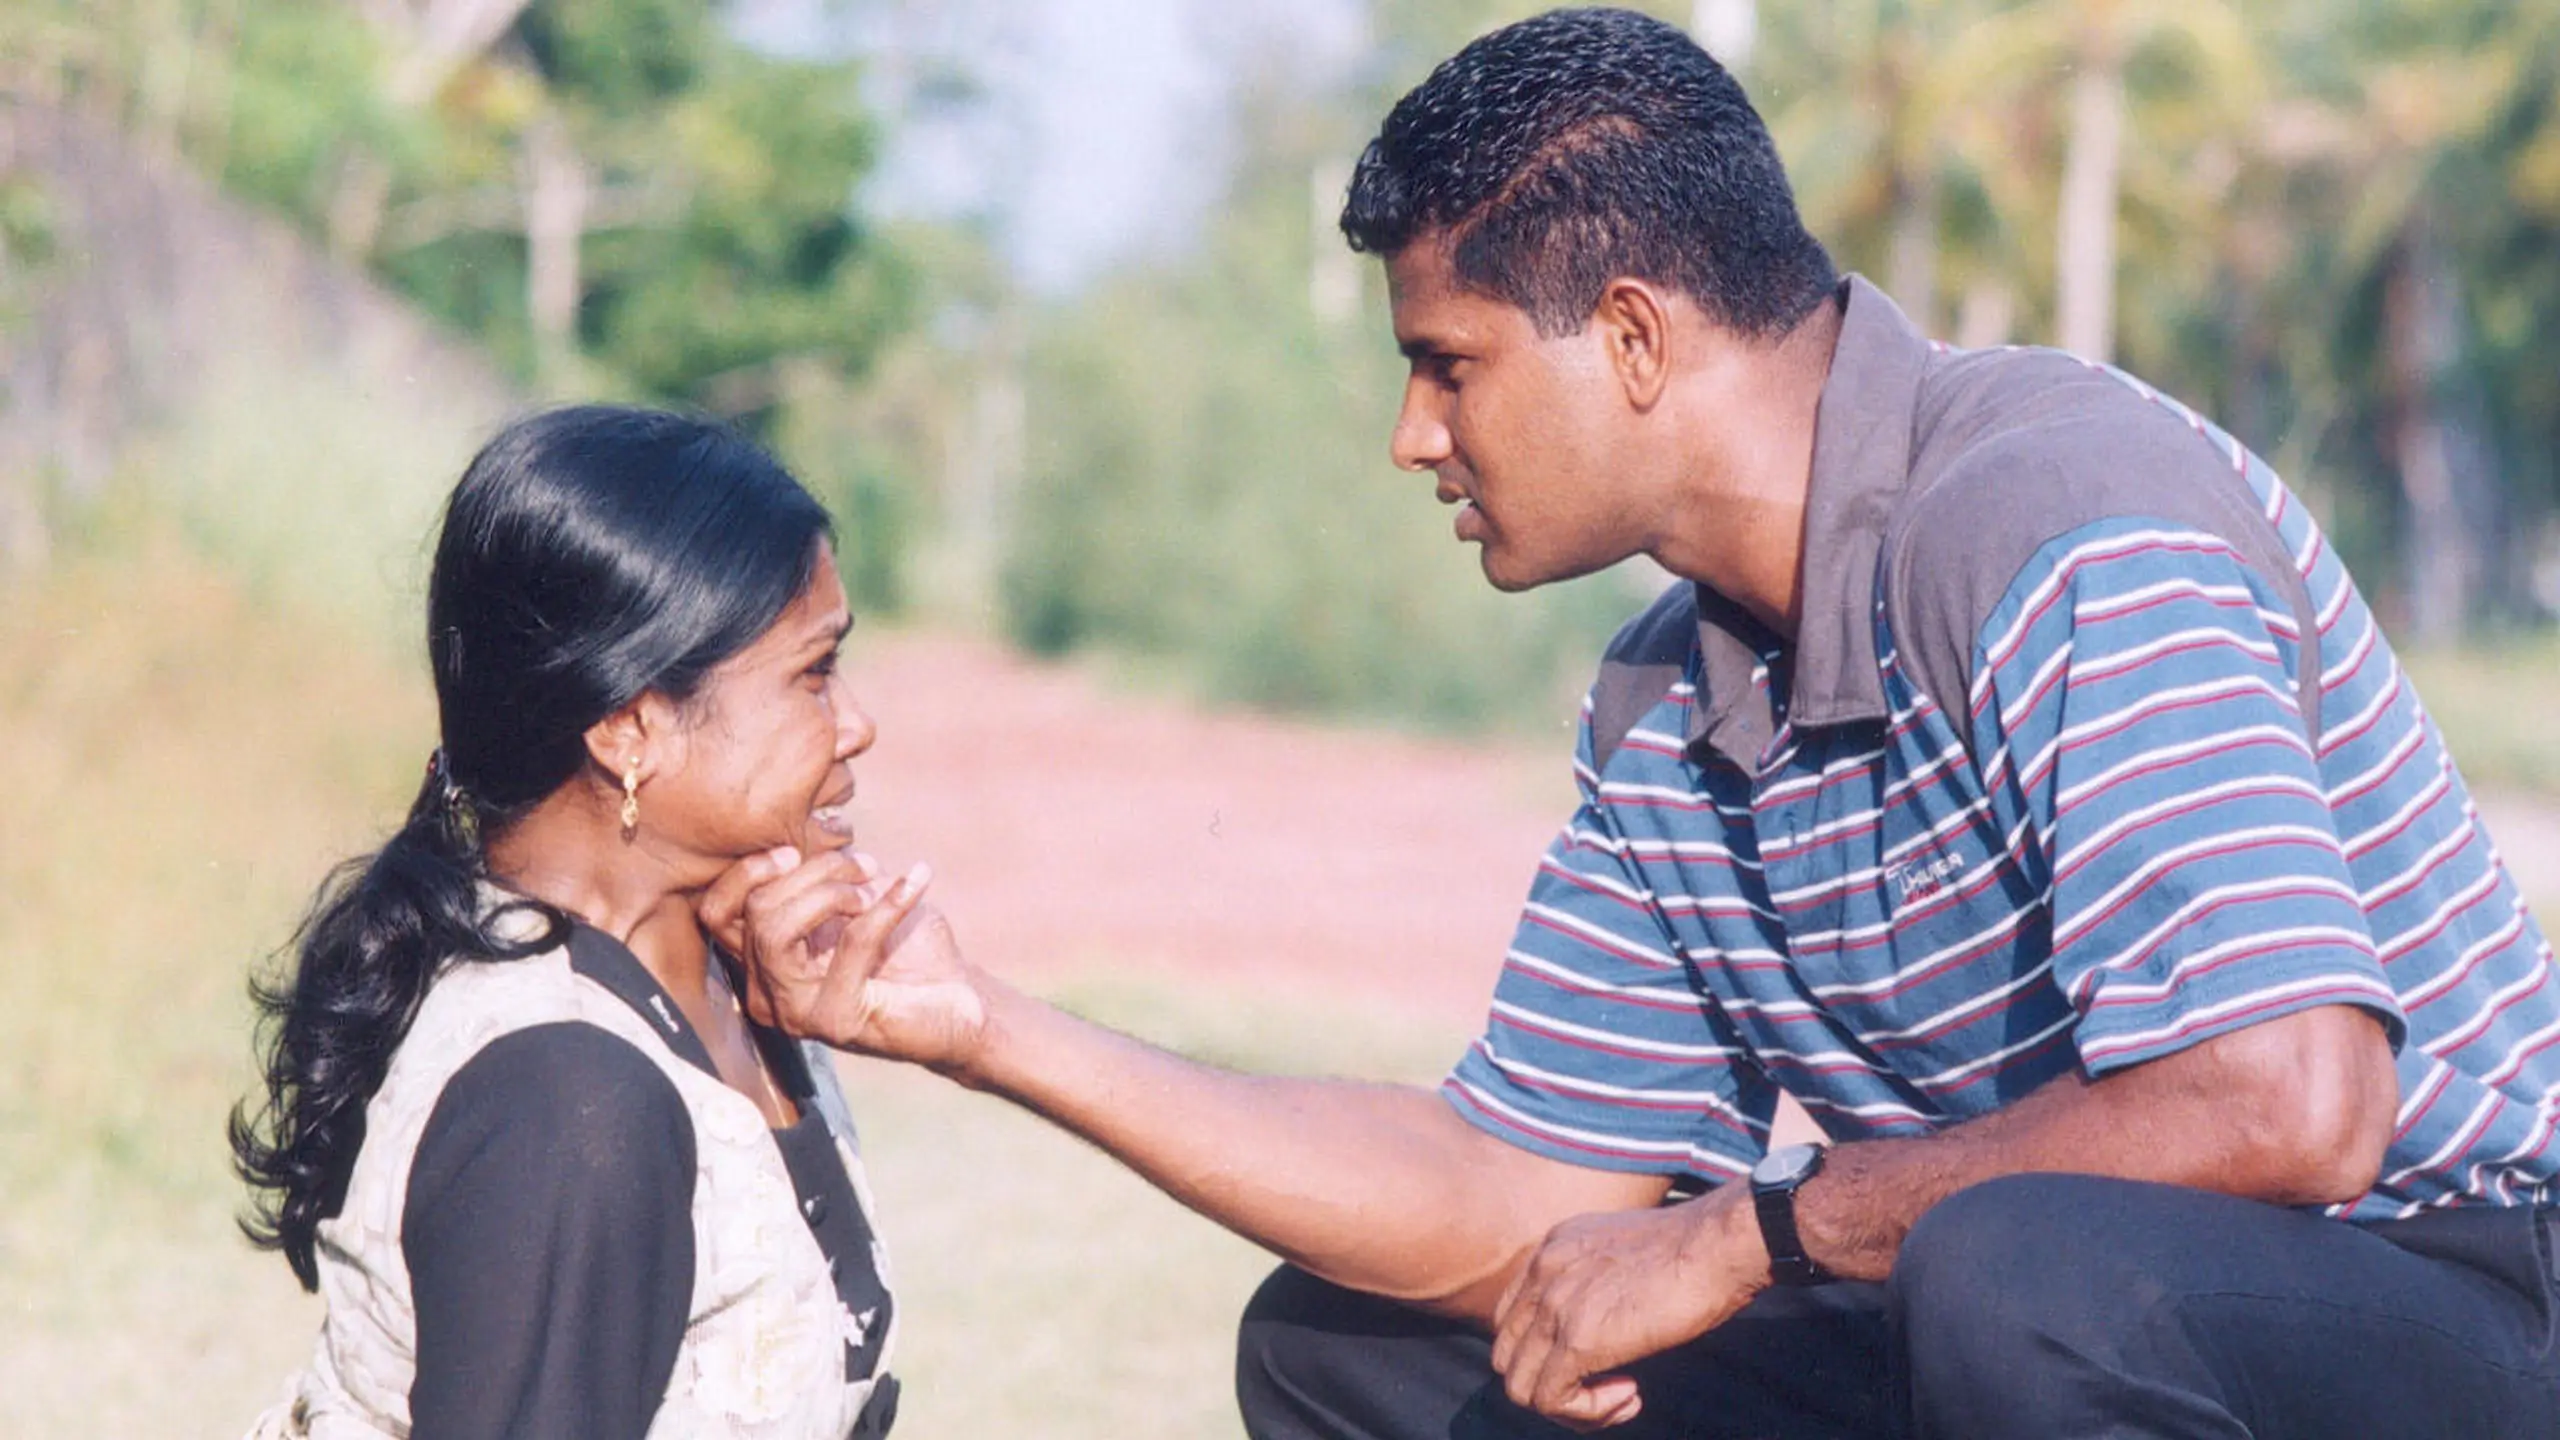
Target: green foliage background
x=1199, y=478
x=213, y=693
x=1209, y=481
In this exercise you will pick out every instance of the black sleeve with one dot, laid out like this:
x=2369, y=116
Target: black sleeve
x=549, y=1237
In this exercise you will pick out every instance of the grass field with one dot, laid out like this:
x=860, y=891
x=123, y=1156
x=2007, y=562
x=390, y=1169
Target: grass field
x=2499, y=708
x=179, y=765
x=179, y=762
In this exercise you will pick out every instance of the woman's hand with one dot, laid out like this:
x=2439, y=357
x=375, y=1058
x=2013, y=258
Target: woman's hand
x=836, y=953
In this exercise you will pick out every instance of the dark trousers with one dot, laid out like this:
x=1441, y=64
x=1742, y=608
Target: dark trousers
x=2040, y=1307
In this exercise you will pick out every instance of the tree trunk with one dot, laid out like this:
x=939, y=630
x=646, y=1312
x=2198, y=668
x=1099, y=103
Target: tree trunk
x=557, y=189
x=1333, y=272
x=2085, y=259
x=218, y=52
x=24, y=540
x=2421, y=342
x=985, y=460
x=1911, y=267
x=357, y=204
x=1727, y=29
x=442, y=36
x=1987, y=315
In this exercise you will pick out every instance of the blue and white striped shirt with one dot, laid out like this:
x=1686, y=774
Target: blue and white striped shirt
x=2048, y=781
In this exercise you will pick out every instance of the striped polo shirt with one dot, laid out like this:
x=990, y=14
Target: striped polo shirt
x=2087, y=750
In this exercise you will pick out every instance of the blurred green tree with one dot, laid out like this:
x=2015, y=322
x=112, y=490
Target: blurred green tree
x=2330, y=222
x=1207, y=477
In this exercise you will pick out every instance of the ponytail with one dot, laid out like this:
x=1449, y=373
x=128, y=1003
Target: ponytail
x=587, y=556
x=378, y=933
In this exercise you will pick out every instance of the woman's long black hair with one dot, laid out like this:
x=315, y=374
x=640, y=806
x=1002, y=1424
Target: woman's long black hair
x=588, y=555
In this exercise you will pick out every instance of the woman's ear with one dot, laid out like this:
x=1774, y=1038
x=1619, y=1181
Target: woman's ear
x=638, y=738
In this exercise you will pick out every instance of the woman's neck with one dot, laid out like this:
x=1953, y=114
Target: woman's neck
x=580, y=862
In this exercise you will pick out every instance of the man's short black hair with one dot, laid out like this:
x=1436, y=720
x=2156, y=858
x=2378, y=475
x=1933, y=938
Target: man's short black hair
x=1579, y=146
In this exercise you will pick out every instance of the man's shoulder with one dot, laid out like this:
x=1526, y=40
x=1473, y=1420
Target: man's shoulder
x=2021, y=446
x=2015, y=449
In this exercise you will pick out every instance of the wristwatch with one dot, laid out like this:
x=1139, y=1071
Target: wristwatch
x=1774, y=1182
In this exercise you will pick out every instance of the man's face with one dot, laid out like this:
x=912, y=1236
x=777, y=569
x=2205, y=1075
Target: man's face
x=1526, y=434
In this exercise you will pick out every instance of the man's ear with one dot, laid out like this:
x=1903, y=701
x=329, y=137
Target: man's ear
x=1635, y=324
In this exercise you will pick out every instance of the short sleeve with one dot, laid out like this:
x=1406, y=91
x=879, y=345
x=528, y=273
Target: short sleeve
x=2135, y=697
x=549, y=1238
x=1600, y=1051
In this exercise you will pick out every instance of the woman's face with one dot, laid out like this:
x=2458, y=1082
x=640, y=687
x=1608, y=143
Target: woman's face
x=761, y=757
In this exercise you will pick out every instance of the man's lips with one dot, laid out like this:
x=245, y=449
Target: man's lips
x=1470, y=521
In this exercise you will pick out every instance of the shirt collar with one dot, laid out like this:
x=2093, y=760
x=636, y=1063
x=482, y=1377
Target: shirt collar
x=1731, y=712
x=1861, y=457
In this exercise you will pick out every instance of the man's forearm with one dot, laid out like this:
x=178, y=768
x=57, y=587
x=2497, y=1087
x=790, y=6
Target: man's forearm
x=2296, y=1111
x=1377, y=1187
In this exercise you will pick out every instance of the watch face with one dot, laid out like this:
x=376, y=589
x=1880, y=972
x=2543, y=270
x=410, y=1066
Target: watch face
x=1786, y=1165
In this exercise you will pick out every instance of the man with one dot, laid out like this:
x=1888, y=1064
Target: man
x=2014, y=777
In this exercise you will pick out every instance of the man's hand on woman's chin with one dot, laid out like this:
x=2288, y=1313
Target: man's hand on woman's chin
x=834, y=952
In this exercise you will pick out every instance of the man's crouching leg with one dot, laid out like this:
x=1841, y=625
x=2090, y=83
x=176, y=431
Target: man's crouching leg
x=1318, y=1362
x=2051, y=1306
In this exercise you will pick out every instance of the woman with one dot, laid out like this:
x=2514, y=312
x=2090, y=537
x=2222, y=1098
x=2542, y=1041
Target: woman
x=517, y=1130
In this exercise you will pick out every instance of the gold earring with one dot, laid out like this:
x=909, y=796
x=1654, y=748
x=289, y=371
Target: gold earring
x=630, y=801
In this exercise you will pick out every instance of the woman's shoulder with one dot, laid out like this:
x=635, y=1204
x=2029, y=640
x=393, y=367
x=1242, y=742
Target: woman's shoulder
x=557, y=1029
x=564, y=1099
x=510, y=1061
x=474, y=1001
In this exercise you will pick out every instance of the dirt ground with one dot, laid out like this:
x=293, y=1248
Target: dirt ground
x=1075, y=827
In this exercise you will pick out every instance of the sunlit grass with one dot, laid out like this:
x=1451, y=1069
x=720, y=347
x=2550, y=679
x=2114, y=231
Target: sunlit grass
x=1049, y=1292
x=2499, y=709
x=177, y=768
x=182, y=755
x=178, y=764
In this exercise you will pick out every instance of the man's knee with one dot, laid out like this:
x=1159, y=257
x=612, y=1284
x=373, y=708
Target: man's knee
x=2020, y=1300
x=2035, y=1251
x=1316, y=1360
x=1988, y=1237
x=1281, y=1349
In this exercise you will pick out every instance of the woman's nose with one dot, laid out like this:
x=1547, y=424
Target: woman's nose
x=854, y=730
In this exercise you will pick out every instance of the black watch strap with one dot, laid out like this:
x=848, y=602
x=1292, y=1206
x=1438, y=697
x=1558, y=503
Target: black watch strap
x=1774, y=1198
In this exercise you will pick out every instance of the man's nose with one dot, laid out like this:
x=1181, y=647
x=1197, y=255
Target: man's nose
x=1421, y=438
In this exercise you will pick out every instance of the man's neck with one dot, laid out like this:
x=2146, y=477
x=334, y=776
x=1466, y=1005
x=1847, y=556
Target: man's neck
x=1739, y=529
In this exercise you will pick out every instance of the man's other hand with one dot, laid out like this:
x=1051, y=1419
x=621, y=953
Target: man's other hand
x=1603, y=1291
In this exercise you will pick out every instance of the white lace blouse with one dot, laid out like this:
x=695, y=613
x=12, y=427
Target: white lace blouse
x=528, y=1155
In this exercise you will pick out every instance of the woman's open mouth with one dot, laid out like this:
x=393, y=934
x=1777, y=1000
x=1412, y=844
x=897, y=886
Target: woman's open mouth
x=835, y=820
